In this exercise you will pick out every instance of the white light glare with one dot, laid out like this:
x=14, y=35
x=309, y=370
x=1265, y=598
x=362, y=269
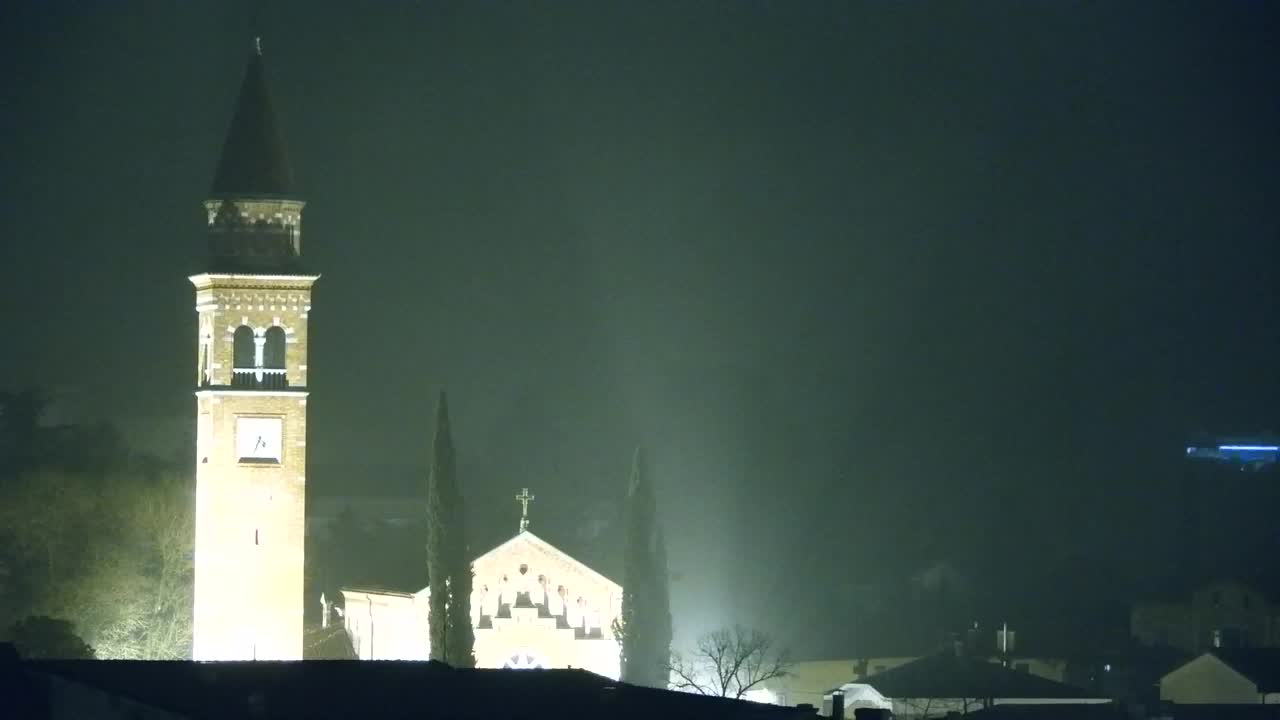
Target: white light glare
x=761, y=695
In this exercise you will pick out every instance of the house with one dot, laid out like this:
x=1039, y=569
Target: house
x=810, y=681
x=953, y=682
x=1222, y=614
x=1226, y=675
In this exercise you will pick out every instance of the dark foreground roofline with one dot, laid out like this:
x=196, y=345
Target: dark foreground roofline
x=320, y=690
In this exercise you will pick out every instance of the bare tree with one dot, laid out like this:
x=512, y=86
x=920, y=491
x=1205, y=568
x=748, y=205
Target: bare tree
x=729, y=662
x=113, y=551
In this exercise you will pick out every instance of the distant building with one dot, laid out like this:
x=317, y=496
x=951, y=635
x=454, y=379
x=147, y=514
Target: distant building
x=1228, y=676
x=1224, y=614
x=952, y=682
x=1226, y=500
x=808, y=682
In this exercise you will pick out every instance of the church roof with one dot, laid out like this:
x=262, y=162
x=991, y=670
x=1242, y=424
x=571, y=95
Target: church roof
x=254, y=161
x=524, y=536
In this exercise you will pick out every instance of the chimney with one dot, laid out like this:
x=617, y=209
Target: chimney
x=837, y=705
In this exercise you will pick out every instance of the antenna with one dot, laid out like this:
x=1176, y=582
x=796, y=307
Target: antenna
x=255, y=23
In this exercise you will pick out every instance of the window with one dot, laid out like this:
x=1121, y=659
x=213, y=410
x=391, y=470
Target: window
x=524, y=660
x=273, y=352
x=243, y=347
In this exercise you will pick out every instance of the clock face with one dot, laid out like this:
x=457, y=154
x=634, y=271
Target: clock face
x=258, y=439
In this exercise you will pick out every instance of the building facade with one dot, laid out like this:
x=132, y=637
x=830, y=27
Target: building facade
x=1222, y=614
x=532, y=606
x=251, y=396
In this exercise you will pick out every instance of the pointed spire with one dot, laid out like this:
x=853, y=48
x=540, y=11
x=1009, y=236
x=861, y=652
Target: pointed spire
x=254, y=162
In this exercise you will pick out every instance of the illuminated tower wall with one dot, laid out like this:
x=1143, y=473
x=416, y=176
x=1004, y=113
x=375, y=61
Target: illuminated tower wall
x=251, y=397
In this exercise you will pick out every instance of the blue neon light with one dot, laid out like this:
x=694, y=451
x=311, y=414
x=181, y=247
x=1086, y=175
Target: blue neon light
x=1250, y=448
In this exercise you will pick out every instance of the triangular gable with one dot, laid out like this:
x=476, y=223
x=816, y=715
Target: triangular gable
x=538, y=543
x=1207, y=679
x=1199, y=664
x=524, y=537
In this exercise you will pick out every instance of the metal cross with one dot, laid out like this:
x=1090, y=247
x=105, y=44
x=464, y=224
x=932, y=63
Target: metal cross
x=524, y=499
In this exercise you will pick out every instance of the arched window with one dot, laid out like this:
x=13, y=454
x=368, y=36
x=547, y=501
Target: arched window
x=243, y=347
x=273, y=352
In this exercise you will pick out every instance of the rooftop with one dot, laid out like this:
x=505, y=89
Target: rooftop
x=950, y=675
x=345, y=689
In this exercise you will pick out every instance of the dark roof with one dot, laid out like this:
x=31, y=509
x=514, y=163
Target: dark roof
x=1261, y=665
x=1112, y=711
x=254, y=161
x=948, y=675
x=1038, y=711
x=1206, y=711
x=345, y=689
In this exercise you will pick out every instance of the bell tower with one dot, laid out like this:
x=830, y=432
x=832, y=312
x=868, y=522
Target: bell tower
x=251, y=395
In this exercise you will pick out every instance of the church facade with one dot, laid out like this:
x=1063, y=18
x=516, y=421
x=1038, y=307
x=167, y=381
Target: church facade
x=252, y=305
x=532, y=606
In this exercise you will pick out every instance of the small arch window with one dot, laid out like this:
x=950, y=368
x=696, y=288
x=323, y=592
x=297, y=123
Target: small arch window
x=273, y=352
x=243, y=347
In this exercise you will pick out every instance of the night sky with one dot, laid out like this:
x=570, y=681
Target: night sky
x=878, y=286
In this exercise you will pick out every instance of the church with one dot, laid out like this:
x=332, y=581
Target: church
x=533, y=606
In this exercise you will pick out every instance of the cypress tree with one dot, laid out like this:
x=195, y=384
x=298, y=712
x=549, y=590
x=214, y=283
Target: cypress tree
x=645, y=624
x=448, y=569
x=662, y=611
x=462, y=638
